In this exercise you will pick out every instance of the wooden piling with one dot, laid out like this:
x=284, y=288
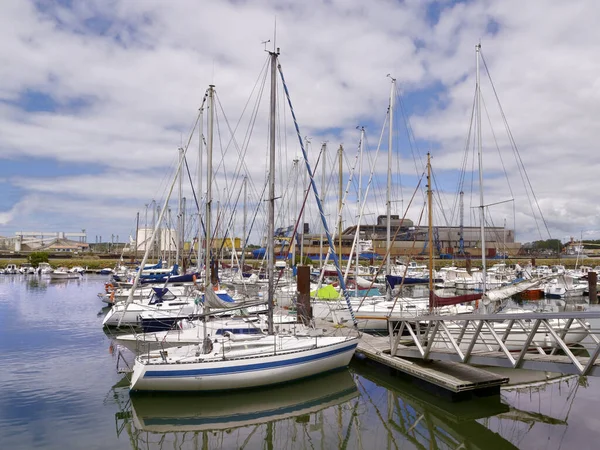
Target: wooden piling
x=304, y=312
x=214, y=273
x=593, y=287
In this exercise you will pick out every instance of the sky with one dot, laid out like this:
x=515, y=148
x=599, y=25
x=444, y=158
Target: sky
x=97, y=96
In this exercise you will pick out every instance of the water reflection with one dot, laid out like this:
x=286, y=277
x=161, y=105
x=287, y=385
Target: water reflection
x=36, y=283
x=415, y=418
x=365, y=408
x=295, y=415
x=540, y=406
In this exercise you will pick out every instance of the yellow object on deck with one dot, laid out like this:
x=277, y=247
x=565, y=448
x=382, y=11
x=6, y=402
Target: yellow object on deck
x=326, y=292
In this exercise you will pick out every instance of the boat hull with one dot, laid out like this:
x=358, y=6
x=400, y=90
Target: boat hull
x=242, y=373
x=64, y=275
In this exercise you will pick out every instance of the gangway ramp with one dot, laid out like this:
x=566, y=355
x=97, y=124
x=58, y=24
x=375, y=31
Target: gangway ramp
x=556, y=342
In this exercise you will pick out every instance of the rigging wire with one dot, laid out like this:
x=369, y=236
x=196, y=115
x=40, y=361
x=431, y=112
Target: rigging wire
x=511, y=138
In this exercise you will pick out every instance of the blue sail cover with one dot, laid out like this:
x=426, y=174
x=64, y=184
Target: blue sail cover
x=158, y=265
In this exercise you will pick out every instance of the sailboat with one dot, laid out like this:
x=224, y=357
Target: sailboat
x=517, y=339
x=243, y=361
x=488, y=296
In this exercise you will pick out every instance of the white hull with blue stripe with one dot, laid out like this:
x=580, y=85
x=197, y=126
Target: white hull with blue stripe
x=241, y=362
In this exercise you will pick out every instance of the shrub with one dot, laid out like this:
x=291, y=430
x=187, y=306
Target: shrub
x=36, y=258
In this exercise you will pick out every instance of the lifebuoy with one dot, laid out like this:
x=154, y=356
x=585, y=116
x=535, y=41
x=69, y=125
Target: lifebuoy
x=108, y=287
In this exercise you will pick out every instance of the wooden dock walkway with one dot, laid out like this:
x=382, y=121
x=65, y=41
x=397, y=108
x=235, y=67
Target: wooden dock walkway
x=449, y=375
x=452, y=377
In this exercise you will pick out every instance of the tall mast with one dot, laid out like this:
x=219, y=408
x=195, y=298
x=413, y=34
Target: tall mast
x=271, y=225
x=244, y=231
x=153, y=227
x=461, y=211
x=430, y=219
x=323, y=170
x=296, y=178
x=182, y=239
x=304, y=195
x=358, y=205
x=208, y=206
x=178, y=248
x=389, y=180
x=137, y=231
x=170, y=237
x=340, y=198
x=199, y=188
x=480, y=157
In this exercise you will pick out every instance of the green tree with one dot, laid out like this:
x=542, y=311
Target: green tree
x=36, y=258
x=548, y=244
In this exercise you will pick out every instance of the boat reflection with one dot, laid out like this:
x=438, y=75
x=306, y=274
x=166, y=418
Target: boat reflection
x=162, y=414
x=258, y=416
x=365, y=407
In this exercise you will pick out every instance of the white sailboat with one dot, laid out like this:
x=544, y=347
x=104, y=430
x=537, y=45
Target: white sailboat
x=237, y=362
x=517, y=339
x=163, y=303
x=189, y=332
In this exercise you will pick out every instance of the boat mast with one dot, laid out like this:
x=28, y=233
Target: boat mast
x=244, y=226
x=358, y=207
x=389, y=180
x=480, y=157
x=137, y=231
x=178, y=248
x=323, y=170
x=182, y=267
x=207, y=213
x=153, y=227
x=292, y=219
x=340, y=198
x=461, y=211
x=304, y=194
x=199, y=189
x=430, y=230
x=271, y=224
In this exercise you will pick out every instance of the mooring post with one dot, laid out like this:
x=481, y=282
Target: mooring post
x=593, y=287
x=304, y=312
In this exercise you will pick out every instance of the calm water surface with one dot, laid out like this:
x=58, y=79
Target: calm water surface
x=60, y=390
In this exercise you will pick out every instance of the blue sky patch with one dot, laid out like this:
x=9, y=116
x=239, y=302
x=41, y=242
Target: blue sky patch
x=44, y=167
x=32, y=100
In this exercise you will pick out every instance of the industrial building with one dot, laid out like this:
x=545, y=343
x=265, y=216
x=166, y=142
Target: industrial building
x=412, y=240
x=51, y=241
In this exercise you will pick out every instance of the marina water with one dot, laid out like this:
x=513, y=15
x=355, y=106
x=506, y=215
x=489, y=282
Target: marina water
x=61, y=390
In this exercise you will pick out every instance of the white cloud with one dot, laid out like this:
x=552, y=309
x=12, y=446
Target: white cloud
x=127, y=79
